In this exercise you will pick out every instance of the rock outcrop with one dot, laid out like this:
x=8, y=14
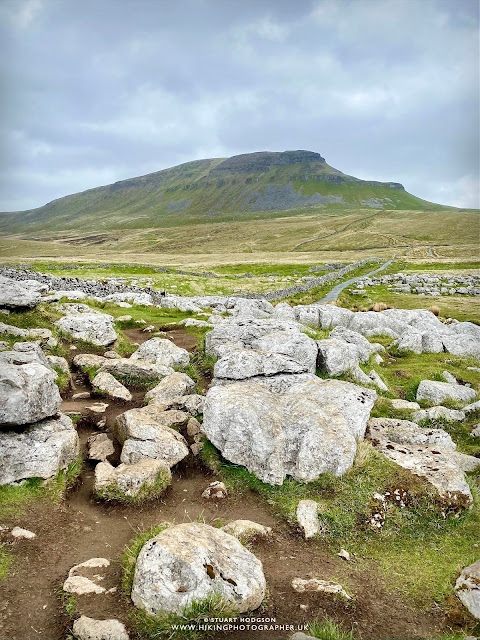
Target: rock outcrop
x=190, y=562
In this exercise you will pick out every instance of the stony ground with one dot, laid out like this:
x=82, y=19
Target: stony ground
x=385, y=603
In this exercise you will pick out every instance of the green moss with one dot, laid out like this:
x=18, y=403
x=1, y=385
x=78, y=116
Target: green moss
x=14, y=498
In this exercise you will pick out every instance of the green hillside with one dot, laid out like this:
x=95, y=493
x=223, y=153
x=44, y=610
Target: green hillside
x=246, y=187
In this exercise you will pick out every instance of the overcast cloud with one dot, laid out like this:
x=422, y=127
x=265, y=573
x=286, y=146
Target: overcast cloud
x=101, y=90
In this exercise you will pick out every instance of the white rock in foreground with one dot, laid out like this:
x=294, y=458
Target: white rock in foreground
x=467, y=588
x=309, y=430
x=39, y=451
x=192, y=561
x=173, y=386
x=85, y=628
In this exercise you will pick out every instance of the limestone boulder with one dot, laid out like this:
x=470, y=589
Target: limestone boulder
x=309, y=430
x=85, y=628
x=17, y=295
x=128, y=368
x=364, y=348
x=307, y=518
x=96, y=328
x=28, y=392
x=161, y=351
x=39, y=451
x=172, y=386
x=437, y=392
x=106, y=385
x=247, y=530
x=407, y=432
x=147, y=478
x=249, y=308
x=146, y=433
x=438, y=413
x=191, y=562
x=336, y=356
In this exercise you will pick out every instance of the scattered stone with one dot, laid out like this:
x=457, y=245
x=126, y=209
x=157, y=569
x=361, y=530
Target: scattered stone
x=475, y=406
x=336, y=356
x=162, y=352
x=146, y=433
x=247, y=530
x=438, y=413
x=437, y=392
x=17, y=295
x=377, y=358
x=144, y=479
x=344, y=554
x=83, y=395
x=377, y=381
x=190, y=562
x=128, y=368
x=85, y=628
x=18, y=532
x=216, y=491
x=28, y=392
x=172, y=386
x=112, y=355
x=98, y=407
x=476, y=431
x=100, y=447
x=105, y=384
x=323, y=586
x=59, y=363
x=449, y=378
x=467, y=588
x=307, y=518
x=41, y=450
x=404, y=404
x=79, y=584
x=86, y=361
x=124, y=318
x=407, y=432
x=96, y=328
x=193, y=427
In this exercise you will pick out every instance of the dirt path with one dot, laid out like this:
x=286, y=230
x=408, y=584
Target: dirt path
x=81, y=528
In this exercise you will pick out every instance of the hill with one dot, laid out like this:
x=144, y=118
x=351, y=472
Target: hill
x=219, y=189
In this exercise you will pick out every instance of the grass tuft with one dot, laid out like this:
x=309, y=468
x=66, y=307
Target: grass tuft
x=328, y=629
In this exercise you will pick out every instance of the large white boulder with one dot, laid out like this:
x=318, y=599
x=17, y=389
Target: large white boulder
x=128, y=368
x=96, y=328
x=191, y=562
x=14, y=294
x=337, y=356
x=310, y=429
x=437, y=392
x=39, y=451
x=161, y=352
x=28, y=392
x=249, y=308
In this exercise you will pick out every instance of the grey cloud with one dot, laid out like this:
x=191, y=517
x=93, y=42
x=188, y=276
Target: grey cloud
x=101, y=91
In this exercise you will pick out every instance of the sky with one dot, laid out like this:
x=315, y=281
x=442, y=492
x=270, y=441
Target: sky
x=103, y=90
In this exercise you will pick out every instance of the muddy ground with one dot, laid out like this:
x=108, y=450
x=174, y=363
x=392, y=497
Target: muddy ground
x=81, y=528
